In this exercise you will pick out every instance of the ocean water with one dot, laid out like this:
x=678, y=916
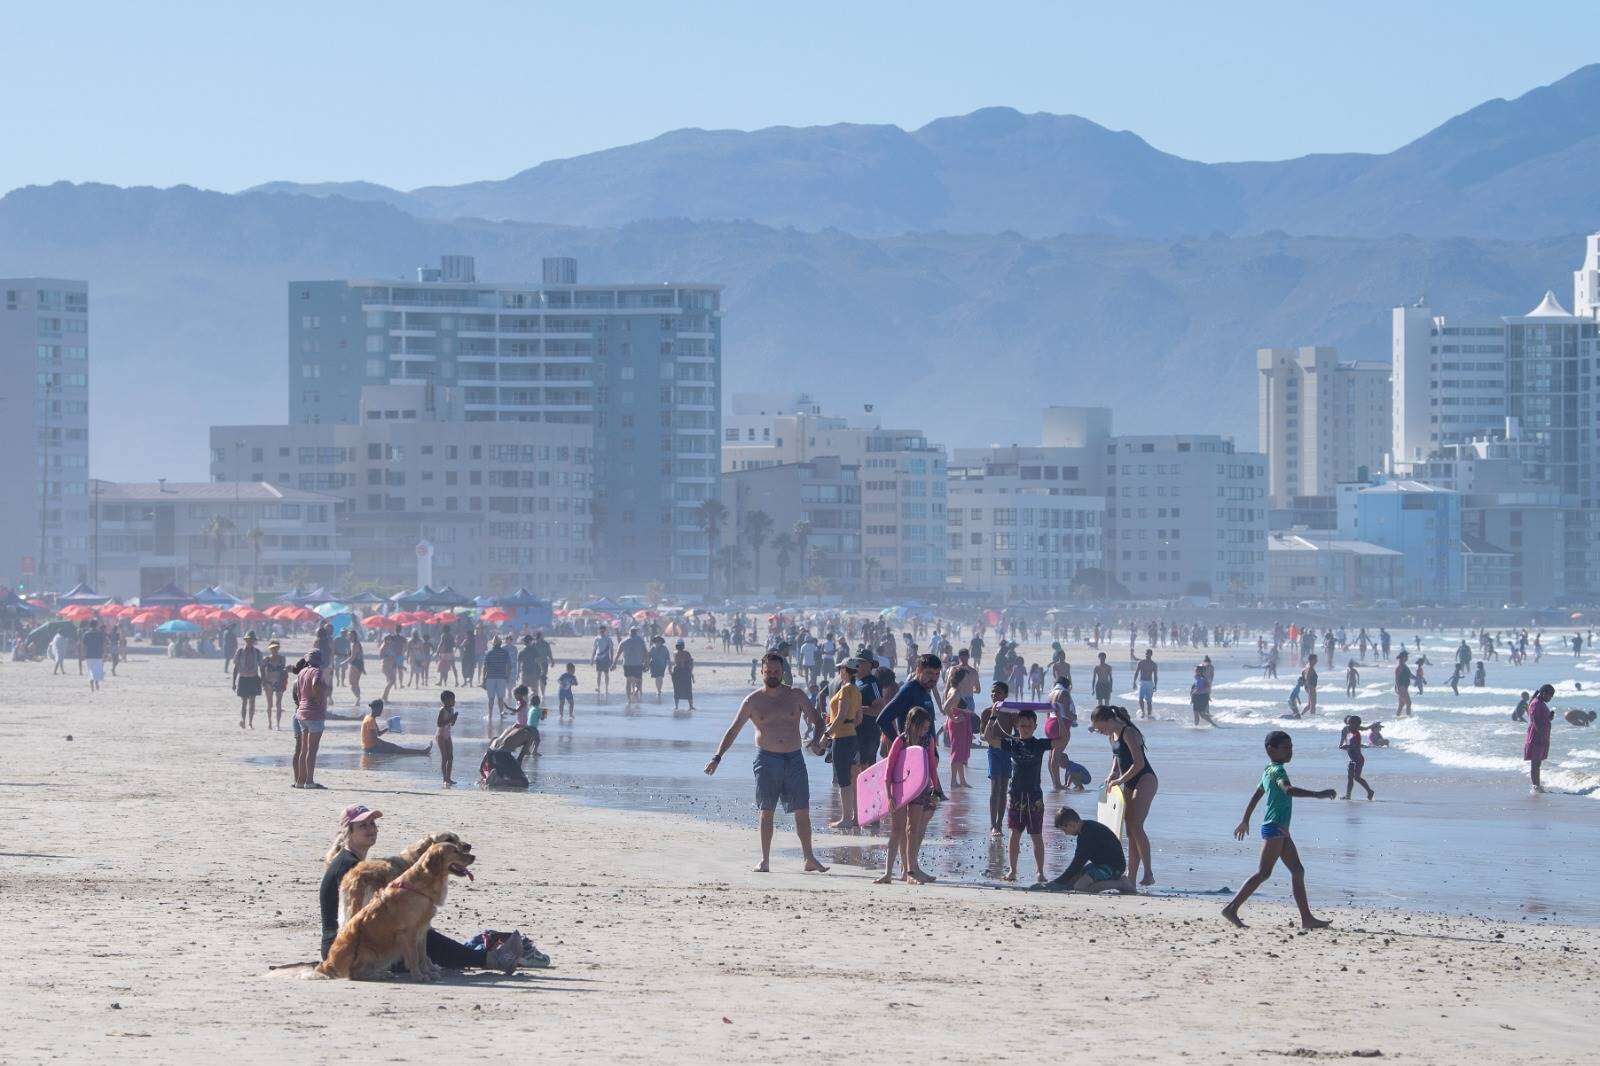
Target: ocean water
x=1454, y=827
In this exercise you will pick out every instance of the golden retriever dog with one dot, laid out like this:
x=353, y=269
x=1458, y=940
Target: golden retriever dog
x=367, y=878
x=394, y=925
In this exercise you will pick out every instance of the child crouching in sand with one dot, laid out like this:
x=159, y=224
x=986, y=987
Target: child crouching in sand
x=1276, y=843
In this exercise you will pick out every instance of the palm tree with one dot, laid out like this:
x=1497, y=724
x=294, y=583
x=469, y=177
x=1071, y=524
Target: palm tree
x=802, y=536
x=712, y=514
x=757, y=525
x=731, y=558
x=819, y=583
x=256, y=536
x=783, y=544
x=217, y=530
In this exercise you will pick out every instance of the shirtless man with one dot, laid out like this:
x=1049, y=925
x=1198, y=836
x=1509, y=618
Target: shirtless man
x=1102, y=682
x=1144, y=676
x=1308, y=677
x=775, y=710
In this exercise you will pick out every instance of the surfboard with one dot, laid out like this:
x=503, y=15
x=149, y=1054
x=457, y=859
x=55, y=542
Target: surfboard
x=911, y=778
x=1111, y=809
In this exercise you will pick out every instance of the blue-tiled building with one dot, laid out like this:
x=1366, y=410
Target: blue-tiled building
x=1422, y=522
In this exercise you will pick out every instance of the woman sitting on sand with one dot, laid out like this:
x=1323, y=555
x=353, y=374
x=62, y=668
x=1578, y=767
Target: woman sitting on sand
x=358, y=831
x=371, y=736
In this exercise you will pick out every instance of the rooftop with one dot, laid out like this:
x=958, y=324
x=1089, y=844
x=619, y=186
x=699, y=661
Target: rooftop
x=1294, y=541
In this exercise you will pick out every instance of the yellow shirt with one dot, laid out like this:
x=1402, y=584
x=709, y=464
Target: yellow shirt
x=844, y=711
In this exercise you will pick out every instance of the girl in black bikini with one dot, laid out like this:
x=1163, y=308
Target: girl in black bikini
x=1133, y=772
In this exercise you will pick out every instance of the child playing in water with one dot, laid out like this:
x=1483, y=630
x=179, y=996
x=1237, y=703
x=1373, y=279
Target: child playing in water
x=1294, y=697
x=1351, y=676
x=999, y=761
x=564, y=686
x=1375, y=737
x=1276, y=843
x=447, y=745
x=528, y=713
x=1350, y=741
x=1521, y=713
x=910, y=822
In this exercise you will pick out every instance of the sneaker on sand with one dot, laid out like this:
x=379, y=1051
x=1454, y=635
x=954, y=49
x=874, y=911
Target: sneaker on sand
x=532, y=957
x=505, y=956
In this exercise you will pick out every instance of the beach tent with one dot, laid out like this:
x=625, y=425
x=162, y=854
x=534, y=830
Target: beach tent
x=528, y=608
x=603, y=604
x=419, y=597
x=449, y=597
x=82, y=595
x=212, y=596
x=168, y=595
x=484, y=601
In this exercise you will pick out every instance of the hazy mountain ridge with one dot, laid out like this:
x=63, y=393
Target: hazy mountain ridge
x=1508, y=169
x=964, y=336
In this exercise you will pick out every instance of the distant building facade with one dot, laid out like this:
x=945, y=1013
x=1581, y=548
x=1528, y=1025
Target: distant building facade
x=638, y=364
x=502, y=505
x=1320, y=421
x=44, y=432
x=244, y=536
x=1422, y=522
x=1024, y=523
x=823, y=493
x=1309, y=565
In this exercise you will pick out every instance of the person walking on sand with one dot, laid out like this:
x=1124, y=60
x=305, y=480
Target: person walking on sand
x=311, y=691
x=1131, y=770
x=246, y=669
x=958, y=716
x=1276, y=843
x=844, y=715
x=274, y=679
x=356, y=665
x=443, y=728
x=1350, y=741
x=1536, y=745
x=496, y=676
x=682, y=676
x=1145, y=674
x=775, y=710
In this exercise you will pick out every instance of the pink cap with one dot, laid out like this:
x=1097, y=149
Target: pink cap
x=357, y=812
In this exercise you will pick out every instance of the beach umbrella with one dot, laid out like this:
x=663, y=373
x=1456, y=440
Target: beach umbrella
x=246, y=614
x=496, y=615
x=76, y=612
x=331, y=610
x=177, y=625
x=376, y=621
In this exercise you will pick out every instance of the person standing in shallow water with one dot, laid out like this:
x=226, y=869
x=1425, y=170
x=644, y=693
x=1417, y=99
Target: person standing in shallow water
x=775, y=710
x=1536, y=744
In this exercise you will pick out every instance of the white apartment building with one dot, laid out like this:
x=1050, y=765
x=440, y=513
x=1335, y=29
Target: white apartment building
x=1186, y=516
x=750, y=415
x=502, y=505
x=1449, y=380
x=1586, y=281
x=44, y=432
x=1024, y=522
x=1321, y=421
x=246, y=536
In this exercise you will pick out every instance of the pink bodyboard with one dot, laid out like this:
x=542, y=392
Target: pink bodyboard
x=911, y=778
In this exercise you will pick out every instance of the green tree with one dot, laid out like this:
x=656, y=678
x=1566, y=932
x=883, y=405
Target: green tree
x=217, y=531
x=802, y=540
x=783, y=544
x=255, y=536
x=757, y=527
x=712, y=514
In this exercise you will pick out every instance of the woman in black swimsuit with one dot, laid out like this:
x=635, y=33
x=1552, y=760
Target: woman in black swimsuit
x=1133, y=772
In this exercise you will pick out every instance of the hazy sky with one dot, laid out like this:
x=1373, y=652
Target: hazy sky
x=224, y=94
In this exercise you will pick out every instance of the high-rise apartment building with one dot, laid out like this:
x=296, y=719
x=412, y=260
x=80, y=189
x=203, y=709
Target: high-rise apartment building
x=1321, y=421
x=1586, y=281
x=496, y=506
x=1449, y=380
x=638, y=364
x=44, y=430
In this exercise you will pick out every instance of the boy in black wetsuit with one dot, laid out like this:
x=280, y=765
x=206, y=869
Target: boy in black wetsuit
x=1097, y=865
x=1025, y=796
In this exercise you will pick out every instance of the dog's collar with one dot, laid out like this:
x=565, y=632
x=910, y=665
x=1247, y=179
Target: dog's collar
x=410, y=888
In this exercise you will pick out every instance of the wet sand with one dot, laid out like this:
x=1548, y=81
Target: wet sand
x=154, y=872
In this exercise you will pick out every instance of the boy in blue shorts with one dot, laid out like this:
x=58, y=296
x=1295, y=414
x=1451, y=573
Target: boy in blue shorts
x=1276, y=843
x=999, y=763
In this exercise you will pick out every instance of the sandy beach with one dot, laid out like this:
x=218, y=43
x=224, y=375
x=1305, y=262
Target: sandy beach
x=153, y=875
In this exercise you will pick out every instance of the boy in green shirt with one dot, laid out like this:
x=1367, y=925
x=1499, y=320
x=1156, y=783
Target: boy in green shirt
x=1275, y=840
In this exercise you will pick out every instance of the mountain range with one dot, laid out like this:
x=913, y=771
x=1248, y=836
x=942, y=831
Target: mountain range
x=958, y=277
x=1505, y=169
